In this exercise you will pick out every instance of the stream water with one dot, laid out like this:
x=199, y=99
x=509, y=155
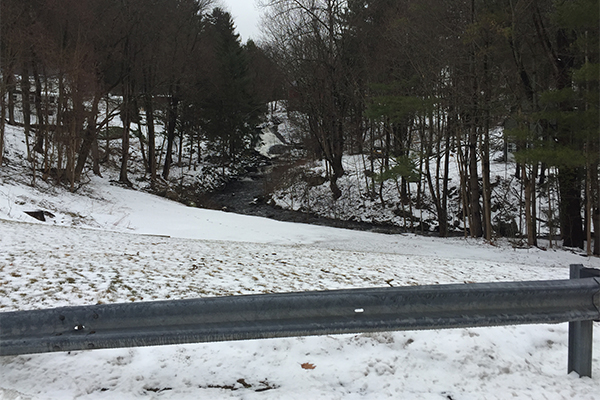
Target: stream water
x=250, y=195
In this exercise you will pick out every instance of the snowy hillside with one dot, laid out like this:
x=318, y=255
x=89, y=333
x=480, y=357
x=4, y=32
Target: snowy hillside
x=107, y=244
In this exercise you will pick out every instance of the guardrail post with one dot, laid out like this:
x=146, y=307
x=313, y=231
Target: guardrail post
x=581, y=332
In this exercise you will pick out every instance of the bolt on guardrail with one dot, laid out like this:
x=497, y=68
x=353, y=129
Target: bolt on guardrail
x=309, y=313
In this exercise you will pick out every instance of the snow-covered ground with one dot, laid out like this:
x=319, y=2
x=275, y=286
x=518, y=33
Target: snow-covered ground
x=106, y=244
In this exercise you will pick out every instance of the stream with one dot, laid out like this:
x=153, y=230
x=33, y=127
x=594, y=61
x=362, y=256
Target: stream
x=249, y=195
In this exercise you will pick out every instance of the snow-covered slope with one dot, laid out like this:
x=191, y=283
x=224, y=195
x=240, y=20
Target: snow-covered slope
x=108, y=244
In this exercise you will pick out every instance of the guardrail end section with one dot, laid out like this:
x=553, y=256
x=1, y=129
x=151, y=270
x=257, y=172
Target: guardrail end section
x=581, y=332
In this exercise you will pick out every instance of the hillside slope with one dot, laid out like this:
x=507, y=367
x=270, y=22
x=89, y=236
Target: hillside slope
x=107, y=244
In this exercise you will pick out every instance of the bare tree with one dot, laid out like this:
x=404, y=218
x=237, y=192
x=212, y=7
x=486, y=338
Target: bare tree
x=307, y=38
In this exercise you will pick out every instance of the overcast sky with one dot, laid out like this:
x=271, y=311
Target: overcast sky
x=246, y=16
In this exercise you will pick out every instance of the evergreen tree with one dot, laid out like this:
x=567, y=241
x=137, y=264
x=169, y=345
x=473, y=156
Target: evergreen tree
x=230, y=110
x=568, y=34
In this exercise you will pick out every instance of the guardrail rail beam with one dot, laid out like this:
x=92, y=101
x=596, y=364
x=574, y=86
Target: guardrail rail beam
x=214, y=319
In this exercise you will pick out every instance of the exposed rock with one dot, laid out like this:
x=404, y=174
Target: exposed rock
x=40, y=215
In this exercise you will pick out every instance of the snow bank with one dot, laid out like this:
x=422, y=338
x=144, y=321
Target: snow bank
x=107, y=244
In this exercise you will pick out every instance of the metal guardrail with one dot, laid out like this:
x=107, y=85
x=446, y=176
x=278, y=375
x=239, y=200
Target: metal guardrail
x=303, y=314
x=581, y=332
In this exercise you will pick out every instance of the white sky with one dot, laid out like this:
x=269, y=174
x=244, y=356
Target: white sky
x=246, y=16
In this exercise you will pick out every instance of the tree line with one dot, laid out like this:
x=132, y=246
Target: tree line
x=177, y=63
x=412, y=84
x=422, y=81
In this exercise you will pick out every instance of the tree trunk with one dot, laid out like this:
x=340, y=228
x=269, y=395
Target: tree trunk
x=596, y=207
x=26, y=106
x=596, y=221
x=96, y=157
x=444, y=217
x=476, y=228
x=462, y=167
x=338, y=172
x=232, y=151
x=530, y=213
x=126, y=117
x=148, y=102
x=588, y=211
x=76, y=133
x=60, y=128
x=528, y=222
x=487, y=190
x=485, y=151
x=10, y=89
x=41, y=117
x=533, y=192
x=337, y=156
x=171, y=124
x=142, y=145
x=90, y=137
x=107, y=144
x=441, y=211
x=2, y=119
x=570, y=207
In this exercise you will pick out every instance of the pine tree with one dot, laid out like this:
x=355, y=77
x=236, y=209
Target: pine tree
x=571, y=106
x=230, y=111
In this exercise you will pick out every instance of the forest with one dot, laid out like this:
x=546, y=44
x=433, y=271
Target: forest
x=414, y=85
